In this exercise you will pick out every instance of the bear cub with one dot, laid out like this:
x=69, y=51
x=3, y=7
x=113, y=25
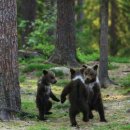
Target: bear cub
x=78, y=96
x=95, y=98
x=44, y=93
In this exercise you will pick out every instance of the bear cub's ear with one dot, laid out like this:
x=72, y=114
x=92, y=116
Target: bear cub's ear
x=95, y=67
x=82, y=70
x=72, y=71
x=45, y=72
x=85, y=66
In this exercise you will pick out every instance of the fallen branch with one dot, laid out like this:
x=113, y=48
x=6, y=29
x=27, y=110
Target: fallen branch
x=126, y=71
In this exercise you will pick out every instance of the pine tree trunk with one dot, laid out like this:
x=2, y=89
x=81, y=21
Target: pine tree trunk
x=28, y=13
x=113, y=28
x=80, y=14
x=9, y=84
x=65, y=53
x=103, y=70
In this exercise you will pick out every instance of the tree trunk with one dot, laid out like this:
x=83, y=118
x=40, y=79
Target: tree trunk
x=28, y=13
x=9, y=84
x=80, y=14
x=65, y=52
x=50, y=9
x=103, y=70
x=113, y=28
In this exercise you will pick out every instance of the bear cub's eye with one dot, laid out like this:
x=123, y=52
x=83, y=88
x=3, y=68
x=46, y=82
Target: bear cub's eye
x=52, y=77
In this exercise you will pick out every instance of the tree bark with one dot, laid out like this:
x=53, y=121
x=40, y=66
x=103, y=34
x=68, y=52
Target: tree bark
x=9, y=84
x=80, y=14
x=28, y=13
x=103, y=69
x=113, y=28
x=65, y=52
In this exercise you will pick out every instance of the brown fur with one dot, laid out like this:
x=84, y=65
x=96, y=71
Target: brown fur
x=78, y=97
x=44, y=93
x=95, y=98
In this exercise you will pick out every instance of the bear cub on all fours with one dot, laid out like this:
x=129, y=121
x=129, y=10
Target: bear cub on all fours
x=95, y=98
x=44, y=93
x=78, y=96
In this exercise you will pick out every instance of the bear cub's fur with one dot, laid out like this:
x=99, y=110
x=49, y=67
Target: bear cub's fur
x=44, y=93
x=78, y=96
x=95, y=98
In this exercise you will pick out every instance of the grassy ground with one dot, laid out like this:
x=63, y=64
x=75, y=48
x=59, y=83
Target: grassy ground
x=116, y=101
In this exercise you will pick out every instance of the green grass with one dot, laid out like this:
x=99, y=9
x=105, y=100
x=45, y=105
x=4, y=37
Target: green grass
x=24, y=61
x=125, y=81
x=29, y=106
x=119, y=59
x=112, y=66
x=86, y=58
x=58, y=73
x=113, y=126
x=62, y=82
x=22, y=78
x=39, y=127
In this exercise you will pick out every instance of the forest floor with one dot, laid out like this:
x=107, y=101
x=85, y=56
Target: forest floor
x=116, y=101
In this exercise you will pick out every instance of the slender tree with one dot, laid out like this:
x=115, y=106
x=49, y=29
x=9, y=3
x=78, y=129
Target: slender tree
x=27, y=13
x=80, y=13
x=9, y=84
x=113, y=27
x=103, y=69
x=65, y=52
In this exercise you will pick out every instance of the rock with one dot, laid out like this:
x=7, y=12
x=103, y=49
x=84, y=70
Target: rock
x=128, y=111
x=64, y=70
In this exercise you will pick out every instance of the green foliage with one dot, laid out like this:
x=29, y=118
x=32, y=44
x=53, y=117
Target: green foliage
x=85, y=58
x=39, y=35
x=86, y=42
x=46, y=49
x=40, y=40
x=36, y=67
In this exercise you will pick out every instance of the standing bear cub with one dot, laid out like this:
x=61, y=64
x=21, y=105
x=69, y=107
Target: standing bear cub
x=44, y=93
x=78, y=96
x=95, y=98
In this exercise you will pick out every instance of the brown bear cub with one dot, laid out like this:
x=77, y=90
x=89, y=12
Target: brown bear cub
x=78, y=96
x=95, y=98
x=44, y=93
